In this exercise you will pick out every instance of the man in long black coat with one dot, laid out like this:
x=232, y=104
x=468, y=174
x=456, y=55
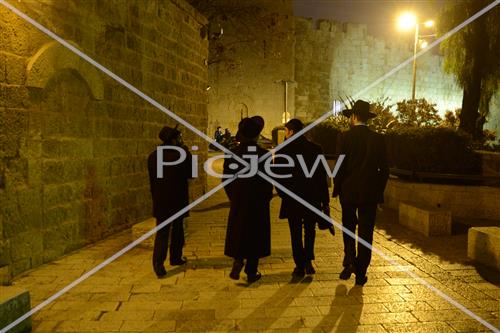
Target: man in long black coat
x=170, y=195
x=360, y=183
x=312, y=189
x=248, y=235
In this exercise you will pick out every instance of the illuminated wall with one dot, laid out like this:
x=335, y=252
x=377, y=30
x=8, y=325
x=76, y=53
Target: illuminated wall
x=74, y=143
x=338, y=59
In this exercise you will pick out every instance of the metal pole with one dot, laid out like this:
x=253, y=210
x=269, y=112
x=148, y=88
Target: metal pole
x=415, y=45
x=286, y=101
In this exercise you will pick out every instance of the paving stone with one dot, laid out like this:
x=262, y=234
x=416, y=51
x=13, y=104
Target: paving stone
x=466, y=326
x=434, y=327
x=382, y=318
x=127, y=296
x=148, y=325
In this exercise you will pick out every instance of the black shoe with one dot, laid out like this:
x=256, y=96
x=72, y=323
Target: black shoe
x=178, y=262
x=254, y=277
x=309, y=268
x=235, y=272
x=160, y=270
x=361, y=280
x=298, y=272
x=346, y=273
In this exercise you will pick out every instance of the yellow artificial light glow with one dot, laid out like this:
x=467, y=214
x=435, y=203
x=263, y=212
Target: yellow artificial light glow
x=424, y=44
x=407, y=21
x=429, y=23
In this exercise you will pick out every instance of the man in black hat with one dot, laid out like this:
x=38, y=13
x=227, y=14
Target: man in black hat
x=360, y=183
x=248, y=235
x=170, y=195
x=312, y=189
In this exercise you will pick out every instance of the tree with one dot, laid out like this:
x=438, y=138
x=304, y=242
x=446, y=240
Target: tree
x=471, y=55
x=451, y=118
x=384, y=119
x=417, y=113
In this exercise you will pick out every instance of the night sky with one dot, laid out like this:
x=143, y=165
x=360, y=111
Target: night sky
x=379, y=15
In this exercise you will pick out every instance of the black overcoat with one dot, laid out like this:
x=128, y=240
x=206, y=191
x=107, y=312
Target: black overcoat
x=313, y=189
x=363, y=174
x=248, y=228
x=170, y=194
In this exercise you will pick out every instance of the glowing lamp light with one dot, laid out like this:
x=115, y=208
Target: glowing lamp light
x=424, y=44
x=407, y=21
x=429, y=24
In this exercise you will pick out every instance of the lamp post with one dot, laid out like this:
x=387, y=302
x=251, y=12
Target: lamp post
x=287, y=83
x=409, y=21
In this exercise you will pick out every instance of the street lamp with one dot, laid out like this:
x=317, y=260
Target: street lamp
x=286, y=115
x=408, y=21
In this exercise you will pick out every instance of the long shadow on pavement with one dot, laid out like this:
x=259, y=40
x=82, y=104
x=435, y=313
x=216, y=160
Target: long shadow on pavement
x=451, y=249
x=344, y=316
x=270, y=311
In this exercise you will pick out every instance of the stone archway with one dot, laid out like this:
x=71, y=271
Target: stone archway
x=73, y=201
x=53, y=58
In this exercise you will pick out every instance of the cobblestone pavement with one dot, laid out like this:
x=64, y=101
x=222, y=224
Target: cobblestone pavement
x=126, y=296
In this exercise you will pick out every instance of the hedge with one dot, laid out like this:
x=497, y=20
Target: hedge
x=325, y=134
x=432, y=149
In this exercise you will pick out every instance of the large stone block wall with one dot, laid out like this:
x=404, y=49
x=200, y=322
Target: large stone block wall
x=471, y=202
x=335, y=59
x=73, y=142
x=258, y=53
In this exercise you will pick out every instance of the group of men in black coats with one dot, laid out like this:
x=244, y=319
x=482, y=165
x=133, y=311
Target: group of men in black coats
x=359, y=183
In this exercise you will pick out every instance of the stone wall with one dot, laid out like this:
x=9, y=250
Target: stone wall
x=471, y=202
x=255, y=53
x=73, y=142
x=336, y=59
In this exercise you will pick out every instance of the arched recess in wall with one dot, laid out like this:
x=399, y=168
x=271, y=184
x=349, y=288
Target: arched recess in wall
x=53, y=58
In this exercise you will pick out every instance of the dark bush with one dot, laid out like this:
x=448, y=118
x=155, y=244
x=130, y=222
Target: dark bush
x=325, y=134
x=438, y=150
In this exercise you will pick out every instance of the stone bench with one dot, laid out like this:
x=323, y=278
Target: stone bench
x=483, y=245
x=428, y=221
x=14, y=302
x=141, y=228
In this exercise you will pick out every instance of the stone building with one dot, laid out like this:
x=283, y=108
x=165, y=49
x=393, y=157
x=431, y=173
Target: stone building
x=251, y=55
x=73, y=142
x=322, y=60
x=337, y=59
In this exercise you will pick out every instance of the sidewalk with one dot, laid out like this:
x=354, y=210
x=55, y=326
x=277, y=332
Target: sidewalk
x=126, y=296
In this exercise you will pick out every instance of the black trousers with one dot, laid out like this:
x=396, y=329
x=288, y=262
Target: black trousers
x=362, y=216
x=176, y=242
x=251, y=265
x=302, y=250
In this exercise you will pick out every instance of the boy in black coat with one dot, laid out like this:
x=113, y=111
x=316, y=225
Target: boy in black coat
x=170, y=195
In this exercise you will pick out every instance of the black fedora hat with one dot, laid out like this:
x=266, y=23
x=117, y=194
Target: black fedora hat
x=249, y=128
x=260, y=121
x=360, y=108
x=168, y=133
